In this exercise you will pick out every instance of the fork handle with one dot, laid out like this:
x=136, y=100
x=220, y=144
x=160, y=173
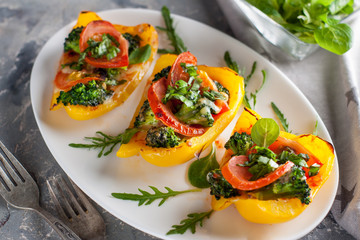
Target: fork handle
x=64, y=231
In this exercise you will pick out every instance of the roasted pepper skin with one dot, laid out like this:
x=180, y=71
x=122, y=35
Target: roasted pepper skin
x=281, y=210
x=135, y=74
x=182, y=153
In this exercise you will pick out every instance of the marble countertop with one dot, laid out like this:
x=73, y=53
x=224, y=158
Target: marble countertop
x=25, y=26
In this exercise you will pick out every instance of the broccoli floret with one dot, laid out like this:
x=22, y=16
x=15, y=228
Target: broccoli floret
x=221, y=88
x=291, y=185
x=72, y=41
x=89, y=94
x=200, y=113
x=163, y=73
x=219, y=186
x=134, y=41
x=298, y=159
x=239, y=143
x=146, y=116
x=162, y=137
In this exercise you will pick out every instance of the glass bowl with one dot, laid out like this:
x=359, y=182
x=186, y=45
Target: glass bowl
x=263, y=34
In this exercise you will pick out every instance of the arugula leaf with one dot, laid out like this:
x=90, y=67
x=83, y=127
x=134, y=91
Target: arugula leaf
x=264, y=132
x=234, y=66
x=140, y=55
x=281, y=117
x=174, y=38
x=107, y=141
x=231, y=63
x=315, y=132
x=148, y=198
x=190, y=223
x=198, y=170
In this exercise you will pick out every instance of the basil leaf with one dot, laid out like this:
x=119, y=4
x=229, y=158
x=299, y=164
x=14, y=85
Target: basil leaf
x=199, y=169
x=336, y=38
x=264, y=132
x=140, y=55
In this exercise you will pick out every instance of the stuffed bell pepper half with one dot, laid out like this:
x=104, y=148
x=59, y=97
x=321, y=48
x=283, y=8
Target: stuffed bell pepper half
x=101, y=65
x=270, y=184
x=184, y=108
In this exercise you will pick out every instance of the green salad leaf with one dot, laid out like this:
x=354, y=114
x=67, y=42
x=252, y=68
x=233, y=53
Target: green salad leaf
x=264, y=132
x=200, y=168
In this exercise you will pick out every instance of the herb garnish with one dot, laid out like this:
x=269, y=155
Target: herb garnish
x=148, y=198
x=315, y=132
x=234, y=66
x=140, y=55
x=199, y=169
x=107, y=47
x=190, y=223
x=264, y=132
x=174, y=38
x=280, y=115
x=107, y=141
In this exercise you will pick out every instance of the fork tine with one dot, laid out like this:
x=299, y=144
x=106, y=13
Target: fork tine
x=5, y=180
x=53, y=195
x=13, y=166
x=64, y=203
x=73, y=200
x=82, y=196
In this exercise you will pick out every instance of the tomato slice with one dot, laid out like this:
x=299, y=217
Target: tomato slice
x=282, y=143
x=94, y=30
x=177, y=72
x=162, y=112
x=62, y=80
x=239, y=176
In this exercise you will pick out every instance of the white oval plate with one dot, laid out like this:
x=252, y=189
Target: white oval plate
x=99, y=177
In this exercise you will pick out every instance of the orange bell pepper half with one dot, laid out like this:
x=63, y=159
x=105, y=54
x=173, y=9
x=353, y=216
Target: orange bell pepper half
x=280, y=210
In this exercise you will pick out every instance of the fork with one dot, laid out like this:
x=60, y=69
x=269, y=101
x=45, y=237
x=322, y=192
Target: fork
x=19, y=189
x=76, y=212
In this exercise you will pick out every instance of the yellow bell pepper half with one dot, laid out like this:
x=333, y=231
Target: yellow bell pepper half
x=133, y=75
x=166, y=157
x=281, y=210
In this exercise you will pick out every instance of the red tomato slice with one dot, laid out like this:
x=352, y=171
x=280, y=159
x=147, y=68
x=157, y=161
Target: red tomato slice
x=177, y=72
x=62, y=82
x=96, y=29
x=281, y=143
x=156, y=93
x=239, y=176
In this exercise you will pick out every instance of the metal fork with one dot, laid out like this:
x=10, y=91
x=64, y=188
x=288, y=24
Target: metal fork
x=75, y=210
x=19, y=189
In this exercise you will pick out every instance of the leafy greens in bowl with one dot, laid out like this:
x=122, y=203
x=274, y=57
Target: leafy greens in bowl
x=291, y=29
x=312, y=21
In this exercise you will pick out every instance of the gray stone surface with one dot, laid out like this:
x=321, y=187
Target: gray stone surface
x=25, y=26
